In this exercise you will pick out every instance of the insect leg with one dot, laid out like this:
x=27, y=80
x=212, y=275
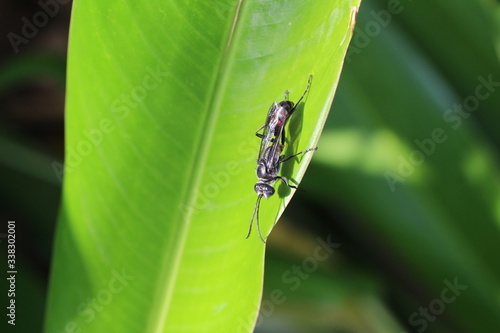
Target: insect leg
x=302, y=152
x=285, y=180
x=261, y=136
x=257, y=132
x=309, y=80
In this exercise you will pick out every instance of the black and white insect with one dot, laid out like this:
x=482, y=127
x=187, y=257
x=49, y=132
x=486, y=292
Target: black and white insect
x=270, y=152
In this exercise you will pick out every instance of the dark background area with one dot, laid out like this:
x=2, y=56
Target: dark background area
x=32, y=80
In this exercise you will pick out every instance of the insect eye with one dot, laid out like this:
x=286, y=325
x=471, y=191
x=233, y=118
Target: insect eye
x=269, y=192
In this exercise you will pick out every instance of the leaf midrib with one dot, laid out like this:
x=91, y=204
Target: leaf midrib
x=172, y=259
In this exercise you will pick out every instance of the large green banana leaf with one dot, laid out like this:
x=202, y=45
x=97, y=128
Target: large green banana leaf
x=163, y=100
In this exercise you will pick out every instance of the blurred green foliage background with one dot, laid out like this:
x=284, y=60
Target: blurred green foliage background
x=404, y=188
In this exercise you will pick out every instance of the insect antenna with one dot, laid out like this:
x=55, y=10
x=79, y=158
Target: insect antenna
x=255, y=209
x=256, y=212
x=258, y=227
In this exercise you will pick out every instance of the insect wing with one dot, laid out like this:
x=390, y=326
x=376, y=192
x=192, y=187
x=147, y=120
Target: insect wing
x=275, y=150
x=267, y=136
